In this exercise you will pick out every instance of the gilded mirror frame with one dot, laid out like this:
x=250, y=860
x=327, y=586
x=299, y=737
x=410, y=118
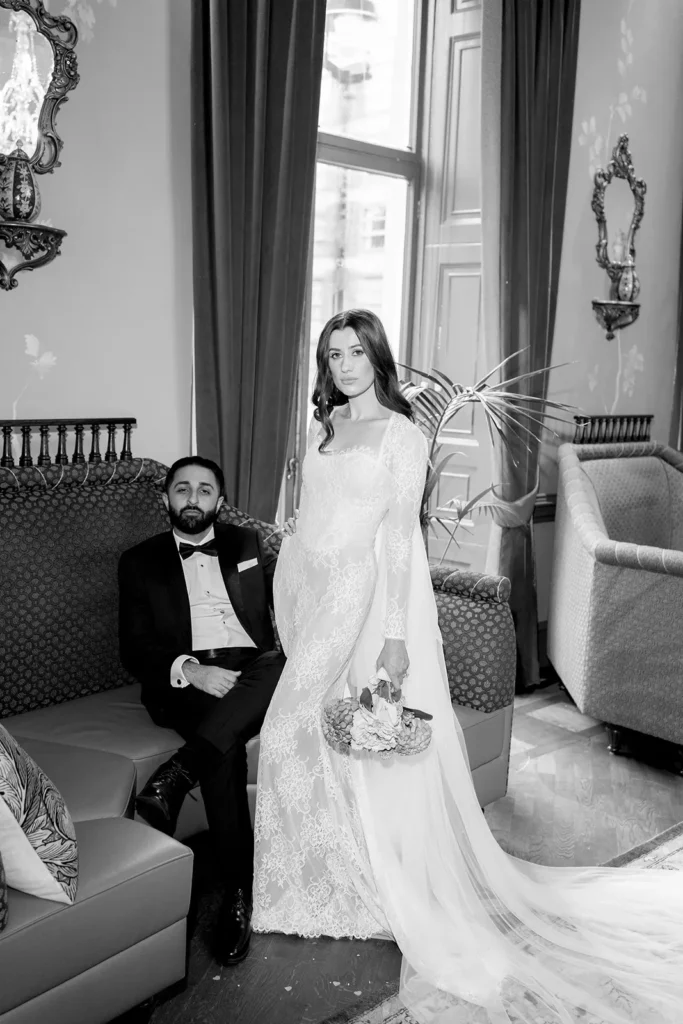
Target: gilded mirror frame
x=62, y=35
x=620, y=166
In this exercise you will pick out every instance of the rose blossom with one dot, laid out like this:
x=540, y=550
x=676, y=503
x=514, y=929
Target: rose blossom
x=371, y=733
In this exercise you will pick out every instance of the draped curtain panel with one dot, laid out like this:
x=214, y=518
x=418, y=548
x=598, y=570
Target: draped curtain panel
x=256, y=69
x=539, y=55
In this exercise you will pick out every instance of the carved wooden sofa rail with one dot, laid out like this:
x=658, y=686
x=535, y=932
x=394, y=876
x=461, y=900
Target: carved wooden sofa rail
x=41, y=430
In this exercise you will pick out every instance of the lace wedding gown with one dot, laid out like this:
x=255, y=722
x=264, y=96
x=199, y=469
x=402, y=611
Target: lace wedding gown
x=354, y=845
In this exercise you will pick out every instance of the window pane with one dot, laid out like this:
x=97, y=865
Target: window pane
x=358, y=249
x=367, y=71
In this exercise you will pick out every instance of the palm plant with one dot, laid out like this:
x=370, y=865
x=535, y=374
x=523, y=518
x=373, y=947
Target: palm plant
x=436, y=400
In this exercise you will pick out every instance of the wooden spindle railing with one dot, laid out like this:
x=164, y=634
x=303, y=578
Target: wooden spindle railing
x=44, y=429
x=95, y=455
x=611, y=429
x=44, y=457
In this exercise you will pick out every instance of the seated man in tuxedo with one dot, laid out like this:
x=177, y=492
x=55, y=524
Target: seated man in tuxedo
x=195, y=630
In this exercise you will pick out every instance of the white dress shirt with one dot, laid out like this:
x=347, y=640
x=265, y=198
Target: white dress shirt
x=214, y=623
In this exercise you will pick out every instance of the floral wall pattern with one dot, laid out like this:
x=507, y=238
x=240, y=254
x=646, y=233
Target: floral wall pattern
x=629, y=79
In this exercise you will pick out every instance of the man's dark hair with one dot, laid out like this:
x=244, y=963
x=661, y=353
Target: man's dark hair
x=196, y=460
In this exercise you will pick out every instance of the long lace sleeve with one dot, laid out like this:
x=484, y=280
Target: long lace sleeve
x=408, y=464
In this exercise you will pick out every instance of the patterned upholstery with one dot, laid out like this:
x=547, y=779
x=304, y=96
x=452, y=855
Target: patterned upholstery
x=478, y=638
x=62, y=530
x=639, y=497
x=615, y=619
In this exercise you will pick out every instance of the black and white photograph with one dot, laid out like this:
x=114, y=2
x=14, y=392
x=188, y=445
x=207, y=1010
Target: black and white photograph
x=341, y=511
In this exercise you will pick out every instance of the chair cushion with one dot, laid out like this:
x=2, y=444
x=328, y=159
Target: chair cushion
x=94, y=784
x=3, y=896
x=114, y=721
x=134, y=882
x=37, y=836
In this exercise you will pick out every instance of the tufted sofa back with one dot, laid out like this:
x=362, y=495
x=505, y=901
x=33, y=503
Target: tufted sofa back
x=62, y=530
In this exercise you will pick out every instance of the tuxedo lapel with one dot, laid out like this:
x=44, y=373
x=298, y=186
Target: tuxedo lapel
x=173, y=590
x=228, y=556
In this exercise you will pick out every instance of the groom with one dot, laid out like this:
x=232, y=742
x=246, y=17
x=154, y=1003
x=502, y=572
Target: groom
x=195, y=631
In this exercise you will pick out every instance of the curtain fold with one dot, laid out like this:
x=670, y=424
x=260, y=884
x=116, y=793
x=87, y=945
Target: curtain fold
x=539, y=56
x=256, y=69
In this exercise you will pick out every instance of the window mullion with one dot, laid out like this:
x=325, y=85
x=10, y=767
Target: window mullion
x=364, y=156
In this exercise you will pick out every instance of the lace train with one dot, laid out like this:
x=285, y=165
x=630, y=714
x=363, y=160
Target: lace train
x=354, y=845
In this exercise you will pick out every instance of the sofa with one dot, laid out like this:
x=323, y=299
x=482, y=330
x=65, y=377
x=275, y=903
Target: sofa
x=615, y=619
x=68, y=701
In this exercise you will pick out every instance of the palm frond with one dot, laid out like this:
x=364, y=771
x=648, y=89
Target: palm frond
x=513, y=419
x=501, y=364
x=420, y=373
x=528, y=375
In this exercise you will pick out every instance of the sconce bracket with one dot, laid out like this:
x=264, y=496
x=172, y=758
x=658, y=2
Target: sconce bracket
x=614, y=315
x=36, y=243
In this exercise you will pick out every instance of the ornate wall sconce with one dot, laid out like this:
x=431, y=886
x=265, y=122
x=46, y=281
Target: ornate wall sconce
x=621, y=309
x=37, y=69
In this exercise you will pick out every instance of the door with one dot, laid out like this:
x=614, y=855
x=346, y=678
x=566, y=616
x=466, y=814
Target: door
x=449, y=336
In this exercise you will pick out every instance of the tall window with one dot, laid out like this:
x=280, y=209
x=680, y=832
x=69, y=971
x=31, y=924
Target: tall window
x=367, y=179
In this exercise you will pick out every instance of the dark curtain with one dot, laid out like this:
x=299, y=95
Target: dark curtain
x=676, y=431
x=256, y=67
x=539, y=52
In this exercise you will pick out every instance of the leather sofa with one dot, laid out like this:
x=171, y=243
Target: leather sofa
x=66, y=698
x=124, y=938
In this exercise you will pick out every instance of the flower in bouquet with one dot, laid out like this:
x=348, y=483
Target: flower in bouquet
x=376, y=722
x=415, y=733
x=376, y=728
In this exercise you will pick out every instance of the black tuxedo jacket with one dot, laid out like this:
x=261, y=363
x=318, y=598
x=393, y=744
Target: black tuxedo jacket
x=155, y=624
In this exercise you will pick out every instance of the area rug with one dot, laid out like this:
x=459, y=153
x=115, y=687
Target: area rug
x=663, y=851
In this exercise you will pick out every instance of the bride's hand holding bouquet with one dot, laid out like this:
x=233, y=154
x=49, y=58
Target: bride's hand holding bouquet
x=377, y=721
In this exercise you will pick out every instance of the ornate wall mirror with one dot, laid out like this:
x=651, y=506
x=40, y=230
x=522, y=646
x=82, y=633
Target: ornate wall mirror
x=618, y=199
x=37, y=69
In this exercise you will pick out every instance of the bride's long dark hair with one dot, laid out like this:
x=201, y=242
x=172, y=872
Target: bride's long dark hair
x=372, y=337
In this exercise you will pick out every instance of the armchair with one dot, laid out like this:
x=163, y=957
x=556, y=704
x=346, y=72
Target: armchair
x=615, y=615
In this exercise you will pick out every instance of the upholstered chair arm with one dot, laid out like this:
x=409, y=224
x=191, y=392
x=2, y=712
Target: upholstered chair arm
x=476, y=585
x=587, y=521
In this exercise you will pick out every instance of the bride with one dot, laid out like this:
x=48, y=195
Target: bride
x=355, y=845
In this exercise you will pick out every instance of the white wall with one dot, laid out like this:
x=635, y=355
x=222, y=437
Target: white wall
x=630, y=60
x=116, y=307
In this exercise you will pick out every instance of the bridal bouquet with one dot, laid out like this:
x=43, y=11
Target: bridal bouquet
x=376, y=722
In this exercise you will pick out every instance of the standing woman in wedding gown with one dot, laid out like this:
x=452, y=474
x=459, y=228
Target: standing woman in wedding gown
x=353, y=845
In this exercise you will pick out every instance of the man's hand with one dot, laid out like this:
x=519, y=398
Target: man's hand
x=210, y=678
x=394, y=660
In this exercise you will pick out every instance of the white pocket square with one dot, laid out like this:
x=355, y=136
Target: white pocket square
x=249, y=564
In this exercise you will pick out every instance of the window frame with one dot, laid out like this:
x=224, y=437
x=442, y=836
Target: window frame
x=407, y=164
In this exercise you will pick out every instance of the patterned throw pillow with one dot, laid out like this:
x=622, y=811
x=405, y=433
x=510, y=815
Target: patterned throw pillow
x=3, y=897
x=37, y=836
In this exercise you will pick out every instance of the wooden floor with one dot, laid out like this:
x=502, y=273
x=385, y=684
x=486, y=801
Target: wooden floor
x=569, y=802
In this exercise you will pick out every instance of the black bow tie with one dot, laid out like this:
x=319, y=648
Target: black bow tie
x=207, y=548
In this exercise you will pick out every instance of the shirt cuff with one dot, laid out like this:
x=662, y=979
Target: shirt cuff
x=178, y=679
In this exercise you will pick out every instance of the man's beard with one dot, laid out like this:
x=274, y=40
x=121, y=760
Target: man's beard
x=192, y=524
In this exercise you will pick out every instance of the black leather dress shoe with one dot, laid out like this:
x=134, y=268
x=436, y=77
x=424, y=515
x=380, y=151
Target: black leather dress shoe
x=159, y=802
x=233, y=931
